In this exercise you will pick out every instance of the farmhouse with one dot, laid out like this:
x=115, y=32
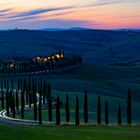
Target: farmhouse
x=48, y=58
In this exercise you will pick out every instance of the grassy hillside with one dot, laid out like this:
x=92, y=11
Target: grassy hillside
x=92, y=108
x=68, y=133
x=108, y=80
x=95, y=45
x=115, y=52
x=111, y=82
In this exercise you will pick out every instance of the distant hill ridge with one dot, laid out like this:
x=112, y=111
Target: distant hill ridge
x=101, y=47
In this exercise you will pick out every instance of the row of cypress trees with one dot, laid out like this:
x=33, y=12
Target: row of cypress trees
x=26, y=94
x=33, y=92
x=32, y=67
x=119, y=120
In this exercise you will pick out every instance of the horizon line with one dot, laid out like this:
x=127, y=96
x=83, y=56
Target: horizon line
x=67, y=28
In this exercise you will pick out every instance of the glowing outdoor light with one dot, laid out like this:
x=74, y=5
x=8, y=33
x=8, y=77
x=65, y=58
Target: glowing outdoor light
x=45, y=59
x=11, y=65
x=57, y=55
x=38, y=58
x=62, y=55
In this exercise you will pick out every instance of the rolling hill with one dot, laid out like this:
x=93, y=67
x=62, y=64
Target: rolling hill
x=98, y=47
x=112, y=61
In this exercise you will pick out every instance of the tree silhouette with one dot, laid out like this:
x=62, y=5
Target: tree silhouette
x=99, y=111
x=119, y=115
x=5, y=84
x=10, y=100
x=13, y=105
x=7, y=102
x=22, y=104
x=35, y=104
x=77, y=120
x=30, y=98
x=44, y=91
x=12, y=84
x=40, y=109
x=67, y=109
x=18, y=85
x=17, y=100
x=2, y=96
x=49, y=104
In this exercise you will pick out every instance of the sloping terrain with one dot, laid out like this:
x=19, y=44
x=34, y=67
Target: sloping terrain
x=97, y=46
x=115, y=52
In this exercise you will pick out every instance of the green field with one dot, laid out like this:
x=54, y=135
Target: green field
x=15, y=132
x=111, y=82
x=92, y=108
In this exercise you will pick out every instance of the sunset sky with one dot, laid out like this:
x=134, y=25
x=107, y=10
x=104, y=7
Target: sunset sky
x=38, y=14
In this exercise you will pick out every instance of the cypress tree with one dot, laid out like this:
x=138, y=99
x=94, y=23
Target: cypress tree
x=129, y=108
x=77, y=120
x=57, y=111
x=32, y=90
x=2, y=99
x=38, y=84
x=18, y=85
x=5, y=85
x=29, y=84
x=13, y=106
x=30, y=99
x=22, y=104
x=44, y=91
x=9, y=71
x=7, y=102
x=106, y=113
x=27, y=97
x=35, y=104
x=21, y=85
x=1, y=85
x=119, y=115
x=49, y=104
x=17, y=100
x=24, y=85
x=40, y=109
x=99, y=111
x=35, y=84
x=85, y=107
x=67, y=109
x=10, y=100
x=2, y=96
x=14, y=70
x=41, y=88
x=12, y=84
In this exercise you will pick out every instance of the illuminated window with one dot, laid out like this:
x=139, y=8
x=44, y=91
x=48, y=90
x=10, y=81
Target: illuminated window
x=62, y=55
x=38, y=58
x=11, y=65
x=57, y=55
x=45, y=59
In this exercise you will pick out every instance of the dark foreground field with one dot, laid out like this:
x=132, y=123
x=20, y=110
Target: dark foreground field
x=69, y=133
